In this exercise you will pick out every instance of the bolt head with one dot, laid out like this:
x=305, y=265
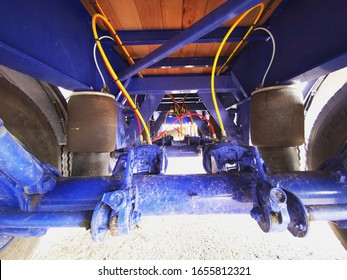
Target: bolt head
x=277, y=195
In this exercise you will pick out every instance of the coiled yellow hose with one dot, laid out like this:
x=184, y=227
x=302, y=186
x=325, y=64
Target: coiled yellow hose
x=113, y=74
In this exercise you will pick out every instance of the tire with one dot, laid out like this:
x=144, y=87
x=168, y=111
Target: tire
x=29, y=125
x=328, y=138
x=26, y=122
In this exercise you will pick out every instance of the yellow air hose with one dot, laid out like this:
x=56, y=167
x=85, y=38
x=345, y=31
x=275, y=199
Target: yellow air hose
x=118, y=40
x=232, y=28
x=113, y=74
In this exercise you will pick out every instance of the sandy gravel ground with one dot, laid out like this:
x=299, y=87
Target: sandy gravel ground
x=191, y=237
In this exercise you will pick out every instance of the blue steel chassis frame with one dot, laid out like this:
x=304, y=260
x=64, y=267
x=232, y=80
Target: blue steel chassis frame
x=59, y=31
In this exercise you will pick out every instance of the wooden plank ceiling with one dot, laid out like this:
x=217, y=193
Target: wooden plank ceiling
x=170, y=14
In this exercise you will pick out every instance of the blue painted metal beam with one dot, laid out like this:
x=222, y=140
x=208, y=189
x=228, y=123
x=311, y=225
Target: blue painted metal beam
x=311, y=41
x=216, y=18
x=181, y=62
x=180, y=84
x=22, y=220
x=24, y=63
x=52, y=41
x=193, y=194
x=325, y=68
x=228, y=118
x=157, y=124
x=191, y=107
x=147, y=109
x=159, y=37
x=202, y=125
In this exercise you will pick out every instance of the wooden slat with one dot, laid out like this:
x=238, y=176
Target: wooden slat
x=169, y=14
x=248, y=21
x=150, y=13
x=178, y=71
x=192, y=11
x=209, y=49
x=108, y=10
x=128, y=16
x=111, y=16
x=150, y=16
x=172, y=11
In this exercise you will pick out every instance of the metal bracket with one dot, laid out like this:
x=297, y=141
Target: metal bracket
x=124, y=219
x=276, y=209
x=150, y=159
x=118, y=210
x=270, y=208
x=226, y=157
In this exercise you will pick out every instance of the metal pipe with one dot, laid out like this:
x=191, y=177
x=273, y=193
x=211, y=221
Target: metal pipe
x=193, y=194
x=18, y=220
x=67, y=204
x=216, y=18
x=22, y=232
x=16, y=162
x=190, y=194
x=327, y=212
x=313, y=187
x=76, y=194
